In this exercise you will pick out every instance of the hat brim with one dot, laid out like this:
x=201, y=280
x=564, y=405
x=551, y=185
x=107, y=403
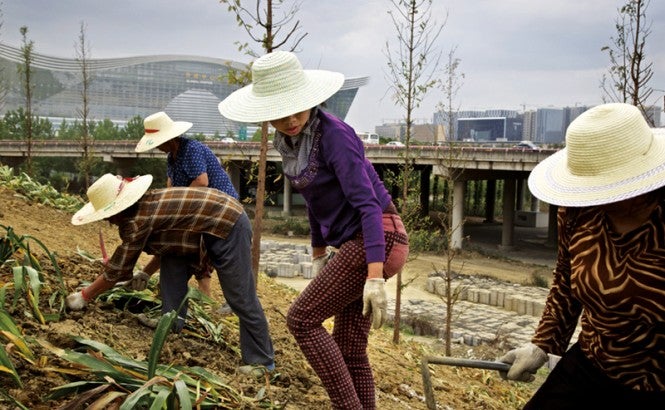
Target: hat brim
x=244, y=106
x=551, y=180
x=131, y=193
x=154, y=140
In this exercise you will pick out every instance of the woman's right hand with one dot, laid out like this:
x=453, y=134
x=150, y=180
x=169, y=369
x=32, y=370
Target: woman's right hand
x=525, y=361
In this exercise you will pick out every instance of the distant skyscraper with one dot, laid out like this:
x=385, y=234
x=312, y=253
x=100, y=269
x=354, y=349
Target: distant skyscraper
x=549, y=126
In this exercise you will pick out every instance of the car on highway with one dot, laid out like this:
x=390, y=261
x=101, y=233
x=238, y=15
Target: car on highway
x=527, y=145
x=227, y=140
x=395, y=144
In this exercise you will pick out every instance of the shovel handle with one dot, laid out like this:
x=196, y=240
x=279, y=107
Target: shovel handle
x=449, y=361
x=480, y=364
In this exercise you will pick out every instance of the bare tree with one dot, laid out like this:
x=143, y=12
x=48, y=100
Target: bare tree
x=450, y=85
x=630, y=71
x=4, y=86
x=87, y=160
x=262, y=28
x=412, y=67
x=25, y=74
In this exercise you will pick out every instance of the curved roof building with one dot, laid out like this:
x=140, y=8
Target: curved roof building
x=188, y=88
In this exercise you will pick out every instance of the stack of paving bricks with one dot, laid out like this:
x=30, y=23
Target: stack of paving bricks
x=524, y=300
x=487, y=310
x=286, y=260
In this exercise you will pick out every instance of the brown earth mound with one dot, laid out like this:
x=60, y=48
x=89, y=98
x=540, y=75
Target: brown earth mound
x=396, y=367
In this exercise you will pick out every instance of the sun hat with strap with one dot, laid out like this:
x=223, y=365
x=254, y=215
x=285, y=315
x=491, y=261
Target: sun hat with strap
x=110, y=195
x=611, y=154
x=280, y=87
x=159, y=128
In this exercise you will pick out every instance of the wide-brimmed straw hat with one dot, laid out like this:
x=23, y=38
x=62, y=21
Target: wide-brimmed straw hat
x=280, y=87
x=611, y=154
x=110, y=195
x=159, y=128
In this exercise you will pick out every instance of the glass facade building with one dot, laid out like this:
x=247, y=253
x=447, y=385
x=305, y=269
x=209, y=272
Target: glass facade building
x=187, y=88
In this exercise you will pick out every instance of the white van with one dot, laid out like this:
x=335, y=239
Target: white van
x=368, y=138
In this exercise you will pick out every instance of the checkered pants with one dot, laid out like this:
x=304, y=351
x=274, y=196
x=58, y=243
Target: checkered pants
x=340, y=360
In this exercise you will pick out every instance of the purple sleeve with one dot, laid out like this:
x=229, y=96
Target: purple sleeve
x=347, y=157
x=317, y=240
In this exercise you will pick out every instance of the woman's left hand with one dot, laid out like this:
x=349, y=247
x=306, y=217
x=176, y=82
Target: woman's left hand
x=374, y=301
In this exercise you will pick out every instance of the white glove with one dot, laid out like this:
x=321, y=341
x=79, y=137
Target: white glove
x=139, y=281
x=374, y=301
x=525, y=361
x=75, y=301
x=318, y=263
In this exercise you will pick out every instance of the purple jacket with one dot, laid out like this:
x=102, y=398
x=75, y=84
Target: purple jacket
x=343, y=192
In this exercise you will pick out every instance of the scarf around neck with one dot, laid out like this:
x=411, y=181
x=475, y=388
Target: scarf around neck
x=295, y=150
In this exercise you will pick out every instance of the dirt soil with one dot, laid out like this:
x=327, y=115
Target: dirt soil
x=396, y=368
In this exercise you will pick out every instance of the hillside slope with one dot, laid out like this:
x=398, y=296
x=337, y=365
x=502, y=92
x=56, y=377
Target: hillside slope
x=396, y=368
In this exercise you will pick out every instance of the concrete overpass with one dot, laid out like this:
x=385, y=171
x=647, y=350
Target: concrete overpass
x=458, y=163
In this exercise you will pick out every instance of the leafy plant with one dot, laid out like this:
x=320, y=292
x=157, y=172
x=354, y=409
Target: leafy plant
x=45, y=194
x=140, y=384
x=27, y=273
x=15, y=343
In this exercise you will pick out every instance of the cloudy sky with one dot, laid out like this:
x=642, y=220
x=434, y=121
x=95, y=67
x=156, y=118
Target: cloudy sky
x=515, y=54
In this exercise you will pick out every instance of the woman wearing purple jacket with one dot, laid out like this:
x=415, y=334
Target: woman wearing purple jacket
x=349, y=209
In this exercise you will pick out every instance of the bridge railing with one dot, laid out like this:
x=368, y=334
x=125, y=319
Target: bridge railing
x=462, y=156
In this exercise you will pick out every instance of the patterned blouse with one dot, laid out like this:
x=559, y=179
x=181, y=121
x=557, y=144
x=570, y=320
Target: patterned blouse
x=171, y=221
x=194, y=158
x=615, y=285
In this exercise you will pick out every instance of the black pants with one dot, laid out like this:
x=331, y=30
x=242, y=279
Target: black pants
x=576, y=384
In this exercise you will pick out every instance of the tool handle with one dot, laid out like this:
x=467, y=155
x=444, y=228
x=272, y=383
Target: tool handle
x=480, y=364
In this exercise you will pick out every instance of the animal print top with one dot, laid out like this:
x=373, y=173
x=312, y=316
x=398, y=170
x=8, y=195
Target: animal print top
x=616, y=283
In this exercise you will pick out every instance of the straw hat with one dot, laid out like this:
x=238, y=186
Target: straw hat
x=280, y=87
x=160, y=128
x=611, y=154
x=110, y=195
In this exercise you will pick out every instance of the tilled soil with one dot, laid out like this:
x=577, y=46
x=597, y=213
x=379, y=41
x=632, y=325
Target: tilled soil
x=396, y=367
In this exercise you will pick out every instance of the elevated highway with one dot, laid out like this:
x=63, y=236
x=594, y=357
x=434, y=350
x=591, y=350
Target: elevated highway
x=458, y=163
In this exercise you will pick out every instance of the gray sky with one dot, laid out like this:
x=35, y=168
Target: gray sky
x=514, y=54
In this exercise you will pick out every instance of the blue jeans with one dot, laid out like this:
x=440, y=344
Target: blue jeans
x=232, y=260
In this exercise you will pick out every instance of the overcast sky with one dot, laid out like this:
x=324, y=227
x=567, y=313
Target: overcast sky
x=514, y=54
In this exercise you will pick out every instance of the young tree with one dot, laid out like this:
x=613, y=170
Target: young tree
x=629, y=72
x=262, y=28
x=25, y=73
x=411, y=72
x=450, y=85
x=87, y=161
x=4, y=86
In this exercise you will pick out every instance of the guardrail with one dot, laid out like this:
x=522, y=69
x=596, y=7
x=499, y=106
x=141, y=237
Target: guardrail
x=451, y=156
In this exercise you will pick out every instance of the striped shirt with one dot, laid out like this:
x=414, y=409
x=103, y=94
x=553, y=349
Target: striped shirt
x=615, y=284
x=172, y=221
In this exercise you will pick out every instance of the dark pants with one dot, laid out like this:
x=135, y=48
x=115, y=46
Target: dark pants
x=575, y=383
x=232, y=260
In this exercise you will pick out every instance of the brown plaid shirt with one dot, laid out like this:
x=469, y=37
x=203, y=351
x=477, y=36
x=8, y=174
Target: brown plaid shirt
x=172, y=221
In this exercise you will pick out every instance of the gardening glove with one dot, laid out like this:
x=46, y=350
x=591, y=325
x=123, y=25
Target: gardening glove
x=374, y=301
x=138, y=282
x=319, y=262
x=76, y=301
x=525, y=361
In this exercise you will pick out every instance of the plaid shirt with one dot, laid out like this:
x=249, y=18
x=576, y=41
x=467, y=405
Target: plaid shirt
x=172, y=221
